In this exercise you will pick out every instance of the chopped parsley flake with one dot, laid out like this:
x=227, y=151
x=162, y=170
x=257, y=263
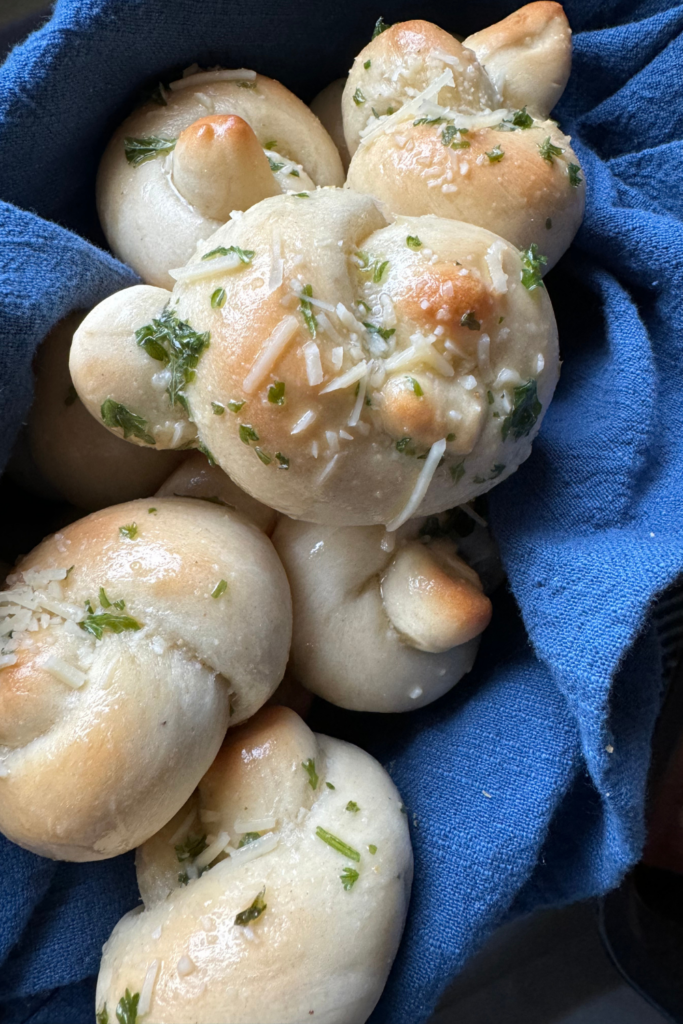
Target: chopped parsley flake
x=190, y=847
x=247, y=433
x=150, y=511
x=349, y=877
x=330, y=786
x=294, y=173
x=270, y=145
x=309, y=767
x=276, y=393
x=220, y=588
x=275, y=165
x=532, y=261
x=575, y=178
x=130, y=531
x=469, y=320
x=302, y=195
x=120, y=604
x=497, y=469
x=205, y=451
x=519, y=119
x=457, y=472
x=337, y=844
x=495, y=155
x=416, y=386
x=247, y=85
x=253, y=912
x=245, y=255
x=432, y=120
x=353, y=807
x=413, y=242
x=372, y=848
x=378, y=272
x=549, y=151
x=307, y=309
x=526, y=409
x=248, y=837
x=116, y=415
x=71, y=395
x=139, y=151
x=448, y=137
x=104, y=600
x=405, y=446
x=95, y=625
x=218, y=409
x=127, y=1009
x=380, y=26
x=450, y=437
x=384, y=332
x=102, y=1016
x=235, y=406
x=358, y=97
x=218, y=298
x=367, y=64
x=283, y=460
x=170, y=340
x=265, y=458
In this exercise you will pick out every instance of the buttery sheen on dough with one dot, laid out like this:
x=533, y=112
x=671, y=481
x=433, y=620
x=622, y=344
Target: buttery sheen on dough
x=355, y=372
x=130, y=641
x=213, y=142
x=278, y=893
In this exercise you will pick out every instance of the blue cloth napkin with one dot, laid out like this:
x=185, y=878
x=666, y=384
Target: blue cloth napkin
x=525, y=785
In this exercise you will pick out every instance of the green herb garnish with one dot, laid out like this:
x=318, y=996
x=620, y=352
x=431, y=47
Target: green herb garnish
x=247, y=433
x=301, y=195
x=380, y=26
x=526, y=409
x=139, y=151
x=96, y=624
x=358, y=97
x=448, y=137
x=469, y=320
x=330, y=786
x=205, y=451
x=497, y=469
x=270, y=145
x=416, y=386
x=218, y=298
x=150, y=511
x=102, y=1016
x=276, y=393
x=337, y=844
x=217, y=408
x=283, y=460
x=413, y=242
x=309, y=767
x=433, y=120
x=265, y=458
x=116, y=415
x=367, y=64
x=130, y=531
x=275, y=165
x=220, y=588
x=170, y=340
x=104, y=600
x=349, y=877
x=549, y=151
x=294, y=173
x=405, y=446
x=372, y=848
x=127, y=1009
x=190, y=847
x=251, y=913
x=248, y=837
x=384, y=332
x=120, y=604
x=247, y=85
x=450, y=437
x=307, y=309
x=353, y=807
x=495, y=155
x=532, y=261
x=575, y=178
x=245, y=255
x=378, y=272
x=519, y=119
x=234, y=406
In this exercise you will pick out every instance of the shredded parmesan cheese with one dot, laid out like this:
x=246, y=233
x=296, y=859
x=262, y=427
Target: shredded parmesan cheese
x=304, y=422
x=243, y=825
x=183, y=829
x=272, y=349
x=494, y=261
x=347, y=379
x=207, y=268
x=212, y=851
x=314, y=367
x=421, y=486
x=184, y=966
x=147, y=989
x=360, y=401
x=65, y=672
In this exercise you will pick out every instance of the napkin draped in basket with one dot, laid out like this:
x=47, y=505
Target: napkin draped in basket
x=525, y=786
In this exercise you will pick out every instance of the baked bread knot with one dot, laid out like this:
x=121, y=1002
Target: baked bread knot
x=382, y=622
x=85, y=463
x=130, y=641
x=213, y=142
x=352, y=373
x=428, y=137
x=327, y=108
x=278, y=893
x=197, y=478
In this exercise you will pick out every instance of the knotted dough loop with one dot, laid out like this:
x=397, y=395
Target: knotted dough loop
x=130, y=641
x=298, y=913
x=381, y=622
x=221, y=141
x=355, y=372
x=428, y=137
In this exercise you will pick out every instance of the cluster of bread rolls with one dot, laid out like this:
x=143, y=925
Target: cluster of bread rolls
x=279, y=436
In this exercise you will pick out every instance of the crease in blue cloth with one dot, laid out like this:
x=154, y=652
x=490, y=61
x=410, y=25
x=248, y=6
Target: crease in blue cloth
x=526, y=785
